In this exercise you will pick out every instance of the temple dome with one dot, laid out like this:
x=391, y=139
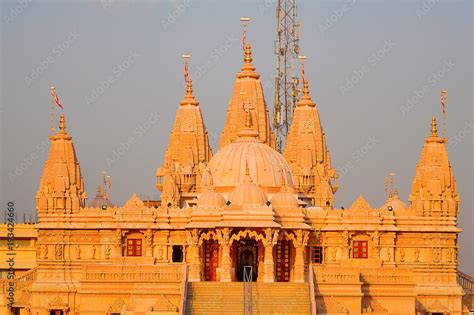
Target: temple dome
x=212, y=199
x=266, y=166
x=248, y=194
x=284, y=199
x=395, y=203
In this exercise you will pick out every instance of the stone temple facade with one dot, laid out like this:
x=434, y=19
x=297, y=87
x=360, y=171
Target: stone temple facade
x=246, y=212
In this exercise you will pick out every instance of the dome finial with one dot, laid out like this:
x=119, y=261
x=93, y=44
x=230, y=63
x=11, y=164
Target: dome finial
x=434, y=129
x=189, y=88
x=305, y=89
x=62, y=124
x=247, y=178
x=247, y=54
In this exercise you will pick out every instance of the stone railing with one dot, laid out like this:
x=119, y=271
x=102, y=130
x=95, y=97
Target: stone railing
x=387, y=277
x=162, y=273
x=465, y=281
x=331, y=275
x=26, y=279
x=184, y=290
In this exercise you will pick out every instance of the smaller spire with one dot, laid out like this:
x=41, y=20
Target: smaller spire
x=62, y=124
x=434, y=129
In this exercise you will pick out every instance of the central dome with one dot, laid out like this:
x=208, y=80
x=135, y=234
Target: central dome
x=228, y=166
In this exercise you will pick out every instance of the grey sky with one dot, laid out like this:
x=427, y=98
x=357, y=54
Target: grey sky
x=117, y=67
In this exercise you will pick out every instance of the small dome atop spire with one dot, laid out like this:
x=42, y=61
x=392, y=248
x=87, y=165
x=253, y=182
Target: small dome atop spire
x=305, y=98
x=211, y=198
x=248, y=70
x=189, y=98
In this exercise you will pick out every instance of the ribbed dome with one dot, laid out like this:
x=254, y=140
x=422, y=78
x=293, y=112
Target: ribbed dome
x=284, y=199
x=265, y=165
x=211, y=198
x=248, y=194
x=395, y=203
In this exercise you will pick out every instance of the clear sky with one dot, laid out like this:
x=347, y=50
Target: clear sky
x=375, y=69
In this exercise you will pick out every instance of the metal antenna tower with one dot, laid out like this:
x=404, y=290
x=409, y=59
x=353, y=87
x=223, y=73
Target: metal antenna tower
x=286, y=82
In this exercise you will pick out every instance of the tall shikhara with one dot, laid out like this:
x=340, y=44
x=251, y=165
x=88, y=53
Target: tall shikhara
x=61, y=189
x=187, y=154
x=434, y=191
x=308, y=156
x=247, y=96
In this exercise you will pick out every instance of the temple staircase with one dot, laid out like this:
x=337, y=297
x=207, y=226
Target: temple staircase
x=228, y=298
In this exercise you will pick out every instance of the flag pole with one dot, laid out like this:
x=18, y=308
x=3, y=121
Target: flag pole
x=53, y=95
x=244, y=34
x=443, y=108
x=186, y=58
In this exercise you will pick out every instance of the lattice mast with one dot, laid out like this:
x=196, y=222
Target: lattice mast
x=286, y=82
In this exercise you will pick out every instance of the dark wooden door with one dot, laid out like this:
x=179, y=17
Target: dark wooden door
x=283, y=261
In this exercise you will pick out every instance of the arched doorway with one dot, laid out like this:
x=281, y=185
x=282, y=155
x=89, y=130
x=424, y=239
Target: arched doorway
x=246, y=255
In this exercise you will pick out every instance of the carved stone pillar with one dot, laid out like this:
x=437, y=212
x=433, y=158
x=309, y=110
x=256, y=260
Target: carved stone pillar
x=195, y=265
x=300, y=243
x=299, y=264
x=271, y=238
x=226, y=266
x=268, y=264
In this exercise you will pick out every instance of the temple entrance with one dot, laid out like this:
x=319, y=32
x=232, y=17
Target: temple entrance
x=283, y=261
x=247, y=255
x=211, y=260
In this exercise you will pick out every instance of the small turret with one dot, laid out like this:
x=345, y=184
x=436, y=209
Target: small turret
x=61, y=188
x=188, y=149
x=434, y=191
x=308, y=155
x=247, y=90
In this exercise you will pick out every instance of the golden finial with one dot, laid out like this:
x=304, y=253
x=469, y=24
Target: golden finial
x=247, y=54
x=189, y=88
x=305, y=89
x=434, y=130
x=62, y=124
x=99, y=191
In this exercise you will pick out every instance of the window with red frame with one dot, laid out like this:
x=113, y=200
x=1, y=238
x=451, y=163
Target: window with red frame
x=360, y=249
x=134, y=247
x=317, y=255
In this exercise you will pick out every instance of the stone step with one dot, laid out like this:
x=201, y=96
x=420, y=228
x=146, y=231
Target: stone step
x=228, y=298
